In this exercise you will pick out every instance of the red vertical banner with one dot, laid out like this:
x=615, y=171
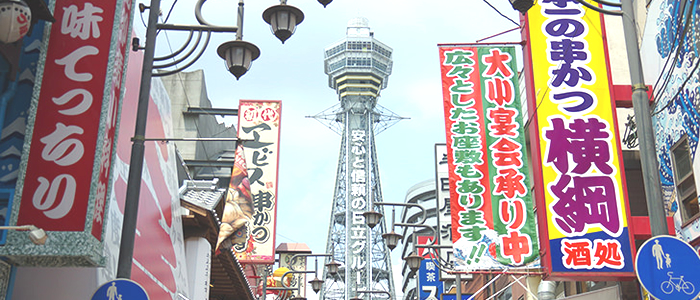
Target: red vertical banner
x=66, y=172
x=259, y=123
x=493, y=224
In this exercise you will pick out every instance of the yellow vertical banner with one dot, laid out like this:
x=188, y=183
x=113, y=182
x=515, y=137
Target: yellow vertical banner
x=580, y=187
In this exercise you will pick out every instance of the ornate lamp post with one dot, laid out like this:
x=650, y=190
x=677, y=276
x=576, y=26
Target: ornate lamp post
x=238, y=55
x=372, y=218
x=316, y=283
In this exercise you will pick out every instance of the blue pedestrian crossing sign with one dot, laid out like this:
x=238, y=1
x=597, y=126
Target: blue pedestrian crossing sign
x=120, y=289
x=667, y=268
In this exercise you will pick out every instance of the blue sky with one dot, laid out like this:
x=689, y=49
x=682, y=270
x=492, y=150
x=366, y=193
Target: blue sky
x=293, y=72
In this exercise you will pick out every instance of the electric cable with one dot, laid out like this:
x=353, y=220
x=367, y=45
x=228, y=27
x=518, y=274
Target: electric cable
x=500, y=13
x=673, y=99
x=170, y=12
x=659, y=91
x=680, y=43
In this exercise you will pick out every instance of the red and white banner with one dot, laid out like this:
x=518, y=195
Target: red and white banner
x=259, y=122
x=69, y=160
x=493, y=221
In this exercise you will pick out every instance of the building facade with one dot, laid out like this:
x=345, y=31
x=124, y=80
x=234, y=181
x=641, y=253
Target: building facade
x=88, y=95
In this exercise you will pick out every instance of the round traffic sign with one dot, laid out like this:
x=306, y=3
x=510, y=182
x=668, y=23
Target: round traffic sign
x=120, y=289
x=667, y=268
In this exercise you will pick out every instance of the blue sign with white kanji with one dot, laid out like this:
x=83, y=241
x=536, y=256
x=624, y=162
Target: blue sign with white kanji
x=428, y=277
x=120, y=289
x=667, y=268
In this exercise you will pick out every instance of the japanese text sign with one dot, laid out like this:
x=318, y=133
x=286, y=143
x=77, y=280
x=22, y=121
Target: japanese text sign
x=493, y=224
x=430, y=285
x=579, y=179
x=442, y=190
x=259, y=122
x=359, y=177
x=68, y=165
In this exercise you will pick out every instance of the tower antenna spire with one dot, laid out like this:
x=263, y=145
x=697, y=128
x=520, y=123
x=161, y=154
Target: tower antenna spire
x=358, y=68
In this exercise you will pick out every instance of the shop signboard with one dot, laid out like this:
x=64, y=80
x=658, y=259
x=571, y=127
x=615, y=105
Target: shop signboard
x=71, y=130
x=578, y=172
x=259, y=125
x=493, y=222
x=442, y=189
x=430, y=286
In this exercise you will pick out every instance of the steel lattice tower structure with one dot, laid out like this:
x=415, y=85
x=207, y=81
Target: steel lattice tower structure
x=358, y=68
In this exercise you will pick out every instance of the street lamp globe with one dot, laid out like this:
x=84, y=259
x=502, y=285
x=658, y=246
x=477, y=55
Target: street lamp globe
x=283, y=20
x=325, y=2
x=413, y=261
x=316, y=284
x=372, y=218
x=392, y=239
x=238, y=56
x=522, y=5
x=333, y=267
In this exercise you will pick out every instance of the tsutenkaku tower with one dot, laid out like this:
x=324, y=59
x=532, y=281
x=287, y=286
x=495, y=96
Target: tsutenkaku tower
x=358, y=68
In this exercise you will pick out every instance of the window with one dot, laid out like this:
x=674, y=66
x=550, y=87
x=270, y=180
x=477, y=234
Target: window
x=335, y=50
x=686, y=193
x=506, y=294
x=336, y=65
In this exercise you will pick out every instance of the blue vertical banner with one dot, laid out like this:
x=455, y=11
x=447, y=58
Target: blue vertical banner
x=430, y=287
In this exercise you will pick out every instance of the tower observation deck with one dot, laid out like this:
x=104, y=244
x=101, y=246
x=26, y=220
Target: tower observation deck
x=358, y=68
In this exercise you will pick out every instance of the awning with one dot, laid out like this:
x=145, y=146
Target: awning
x=203, y=204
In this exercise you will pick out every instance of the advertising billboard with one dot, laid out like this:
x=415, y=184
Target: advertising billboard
x=259, y=125
x=442, y=190
x=493, y=223
x=430, y=287
x=579, y=177
x=159, y=251
x=72, y=125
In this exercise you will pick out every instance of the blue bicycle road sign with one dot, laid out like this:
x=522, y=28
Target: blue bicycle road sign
x=120, y=289
x=667, y=268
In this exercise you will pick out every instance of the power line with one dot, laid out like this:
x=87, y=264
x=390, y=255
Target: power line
x=680, y=88
x=680, y=42
x=500, y=13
